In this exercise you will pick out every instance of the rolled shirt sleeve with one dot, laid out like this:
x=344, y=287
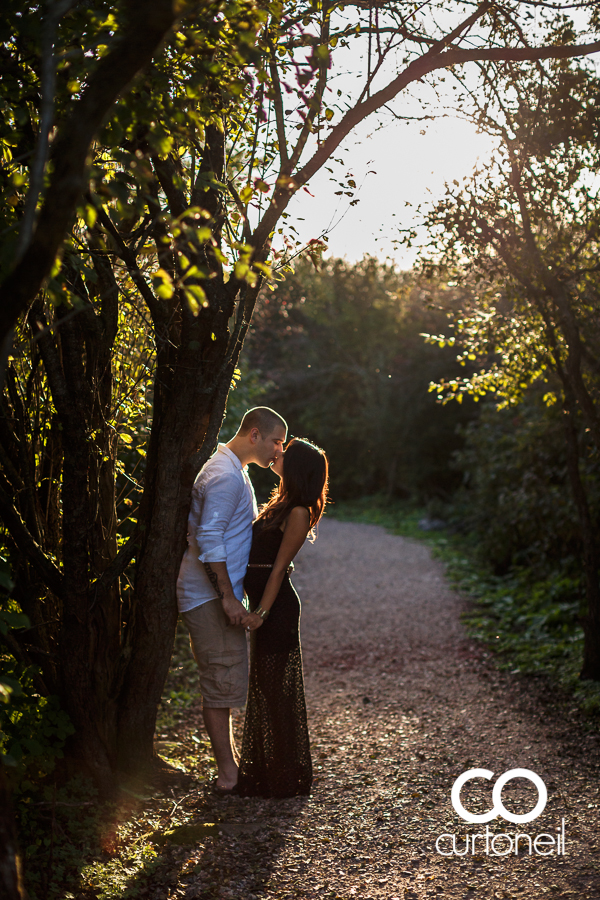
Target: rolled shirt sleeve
x=221, y=498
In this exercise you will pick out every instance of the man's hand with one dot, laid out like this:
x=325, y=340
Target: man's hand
x=252, y=621
x=235, y=611
x=219, y=578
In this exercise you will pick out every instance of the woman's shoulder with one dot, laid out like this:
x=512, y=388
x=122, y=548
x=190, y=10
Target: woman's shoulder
x=298, y=517
x=300, y=512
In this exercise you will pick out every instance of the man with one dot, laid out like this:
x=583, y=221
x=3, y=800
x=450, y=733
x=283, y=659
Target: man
x=210, y=587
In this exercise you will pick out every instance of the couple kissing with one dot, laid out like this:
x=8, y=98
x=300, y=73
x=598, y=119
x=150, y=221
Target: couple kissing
x=237, y=554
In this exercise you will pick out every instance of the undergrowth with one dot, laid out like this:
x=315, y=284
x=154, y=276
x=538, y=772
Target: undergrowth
x=76, y=847
x=530, y=623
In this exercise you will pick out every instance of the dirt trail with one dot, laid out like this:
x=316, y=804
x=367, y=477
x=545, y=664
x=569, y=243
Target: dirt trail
x=400, y=704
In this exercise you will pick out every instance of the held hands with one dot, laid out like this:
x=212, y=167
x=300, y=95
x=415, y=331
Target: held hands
x=237, y=614
x=252, y=621
x=235, y=611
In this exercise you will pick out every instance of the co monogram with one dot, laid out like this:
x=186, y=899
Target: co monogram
x=498, y=808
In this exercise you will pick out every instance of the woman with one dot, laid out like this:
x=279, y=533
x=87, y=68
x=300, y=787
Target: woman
x=275, y=760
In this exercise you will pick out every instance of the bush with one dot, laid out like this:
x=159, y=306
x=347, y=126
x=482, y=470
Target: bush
x=33, y=728
x=516, y=497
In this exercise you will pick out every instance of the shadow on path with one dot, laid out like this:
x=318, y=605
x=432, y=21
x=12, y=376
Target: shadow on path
x=400, y=704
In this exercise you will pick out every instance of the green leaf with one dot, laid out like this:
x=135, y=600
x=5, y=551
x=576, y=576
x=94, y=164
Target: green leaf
x=240, y=270
x=195, y=297
x=246, y=194
x=10, y=619
x=163, y=284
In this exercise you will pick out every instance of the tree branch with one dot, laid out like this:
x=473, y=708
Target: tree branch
x=118, y=564
x=46, y=569
x=435, y=58
x=47, y=85
x=278, y=104
x=315, y=103
x=247, y=235
x=166, y=171
x=128, y=257
x=149, y=22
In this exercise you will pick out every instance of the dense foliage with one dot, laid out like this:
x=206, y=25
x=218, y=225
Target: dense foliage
x=340, y=352
x=516, y=497
x=524, y=234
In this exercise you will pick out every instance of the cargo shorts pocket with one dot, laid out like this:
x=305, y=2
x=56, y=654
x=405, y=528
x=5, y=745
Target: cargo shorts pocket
x=226, y=674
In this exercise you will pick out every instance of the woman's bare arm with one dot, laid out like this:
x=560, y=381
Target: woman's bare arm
x=297, y=527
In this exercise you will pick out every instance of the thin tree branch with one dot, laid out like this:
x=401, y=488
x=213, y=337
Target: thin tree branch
x=128, y=257
x=314, y=104
x=50, y=20
x=279, y=115
x=116, y=568
x=243, y=211
x=46, y=569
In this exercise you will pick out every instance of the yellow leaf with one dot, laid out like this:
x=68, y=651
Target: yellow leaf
x=90, y=214
x=195, y=297
x=163, y=285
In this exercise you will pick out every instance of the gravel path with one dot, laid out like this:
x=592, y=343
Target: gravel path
x=400, y=704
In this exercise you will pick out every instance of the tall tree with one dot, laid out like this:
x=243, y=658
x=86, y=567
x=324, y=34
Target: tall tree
x=527, y=229
x=187, y=183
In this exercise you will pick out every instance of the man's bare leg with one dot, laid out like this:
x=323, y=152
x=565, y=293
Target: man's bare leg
x=218, y=726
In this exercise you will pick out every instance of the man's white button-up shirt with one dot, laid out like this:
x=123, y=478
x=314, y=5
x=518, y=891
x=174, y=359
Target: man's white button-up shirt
x=219, y=528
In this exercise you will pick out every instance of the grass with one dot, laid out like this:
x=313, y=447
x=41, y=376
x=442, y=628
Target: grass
x=530, y=624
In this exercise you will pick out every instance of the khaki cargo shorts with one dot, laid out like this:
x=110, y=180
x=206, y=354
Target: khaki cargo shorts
x=220, y=650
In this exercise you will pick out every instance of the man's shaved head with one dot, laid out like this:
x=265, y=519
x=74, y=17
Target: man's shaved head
x=263, y=418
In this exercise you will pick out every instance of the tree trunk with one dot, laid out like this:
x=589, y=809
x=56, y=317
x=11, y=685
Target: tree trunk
x=11, y=887
x=577, y=397
x=591, y=622
x=187, y=419
x=112, y=659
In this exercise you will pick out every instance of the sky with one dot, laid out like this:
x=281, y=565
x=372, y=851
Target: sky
x=396, y=167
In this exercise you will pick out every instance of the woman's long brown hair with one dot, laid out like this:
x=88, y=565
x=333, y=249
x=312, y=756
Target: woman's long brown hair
x=304, y=483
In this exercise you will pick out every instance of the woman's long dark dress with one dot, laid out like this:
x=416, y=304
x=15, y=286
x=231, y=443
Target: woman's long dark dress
x=275, y=748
